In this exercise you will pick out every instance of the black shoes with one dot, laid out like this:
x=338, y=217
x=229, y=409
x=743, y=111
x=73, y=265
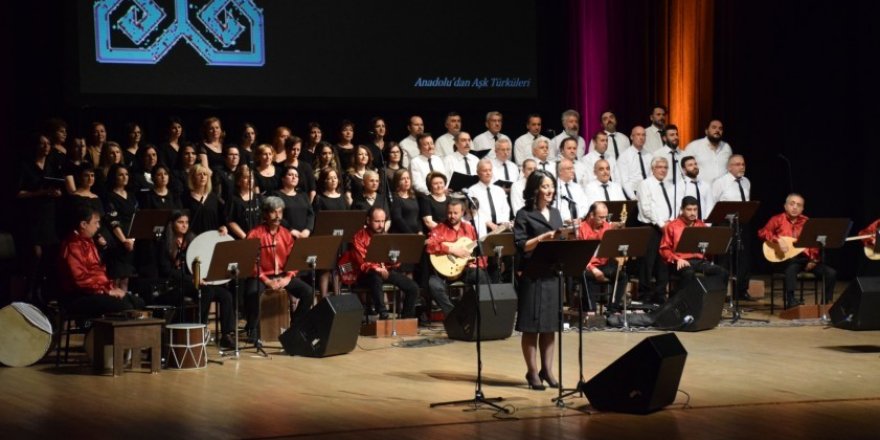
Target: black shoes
x=744, y=296
x=226, y=342
x=552, y=383
x=536, y=385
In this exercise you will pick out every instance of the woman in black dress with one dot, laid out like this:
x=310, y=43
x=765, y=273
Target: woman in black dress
x=393, y=162
x=244, y=204
x=325, y=158
x=538, y=299
x=111, y=155
x=210, y=149
x=361, y=161
x=186, y=160
x=307, y=184
x=310, y=149
x=205, y=211
x=405, y=207
x=247, y=143
x=142, y=172
x=169, y=150
x=267, y=174
x=119, y=207
x=377, y=143
x=95, y=143
x=329, y=198
x=133, y=139
x=83, y=196
x=432, y=208
x=299, y=217
x=345, y=149
x=157, y=197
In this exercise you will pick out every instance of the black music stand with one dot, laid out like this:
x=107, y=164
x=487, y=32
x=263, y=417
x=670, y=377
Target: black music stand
x=397, y=249
x=624, y=243
x=315, y=253
x=824, y=233
x=460, y=181
x=735, y=214
x=234, y=259
x=149, y=224
x=704, y=240
x=616, y=207
x=565, y=258
x=500, y=245
x=339, y=223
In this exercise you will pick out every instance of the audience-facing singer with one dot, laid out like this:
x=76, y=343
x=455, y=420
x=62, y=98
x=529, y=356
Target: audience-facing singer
x=276, y=244
x=522, y=148
x=410, y=146
x=373, y=275
x=461, y=161
x=446, y=142
x=601, y=270
x=538, y=299
x=516, y=190
x=734, y=186
x=617, y=142
x=426, y=163
x=790, y=223
x=687, y=264
x=493, y=210
x=655, y=210
x=691, y=185
x=602, y=188
x=485, y=141
x=572, y=200
x=570, y=129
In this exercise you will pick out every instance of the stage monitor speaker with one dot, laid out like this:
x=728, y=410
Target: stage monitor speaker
x=643, y=380
x=330, y=328
x=858, y=308
x=695, y=307
x=461, y=324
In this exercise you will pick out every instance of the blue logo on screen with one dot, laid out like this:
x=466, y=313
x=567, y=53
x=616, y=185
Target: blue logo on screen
x=223, y=32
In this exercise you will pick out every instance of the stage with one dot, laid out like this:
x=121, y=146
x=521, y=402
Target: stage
x=786, y=379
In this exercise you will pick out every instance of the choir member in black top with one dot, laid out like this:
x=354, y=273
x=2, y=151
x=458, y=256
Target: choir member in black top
x=329, y=198
x=95, y=143
x=405, y=208
x=393, y=156
x=83, y=196
x=307, y=184
x=70, y=164
x=345, y=149
x=247, y=143
x=325, y=157
x=142, y=174
x=377, y=143
x=210, y=149
x=120, y=206
x=205, y=211
x=225, y=175
x=279, y=154
x=432, y=208
x=56, y=131
x=111, y=155
x=186, y=160
x=169, y=150
x=310, y=149
x=133, y=140
x=371, y=196
x=267, y=174
x=298, y=215
x=361, y=161
x=244, y=204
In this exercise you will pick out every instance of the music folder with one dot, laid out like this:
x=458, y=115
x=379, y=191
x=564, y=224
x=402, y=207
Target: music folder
x=461, y=181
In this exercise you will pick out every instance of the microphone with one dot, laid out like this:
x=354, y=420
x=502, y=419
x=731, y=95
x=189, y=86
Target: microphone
x=567, y=199
x=475, y=204
x=788, y=167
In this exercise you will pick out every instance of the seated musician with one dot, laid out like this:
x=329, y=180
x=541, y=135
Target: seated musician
x=440, y=242
x=790, y=224
x=373, y=275
x=276, y=244
x=600, y=270
x=687, y=264
x=173, y=268
x=83, y=280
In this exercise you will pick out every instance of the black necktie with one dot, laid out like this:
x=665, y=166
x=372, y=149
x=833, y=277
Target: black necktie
x=605, y=188
x=742, y=193
x=674, y=167
x=699, y=202
x=506, y=173
x=614, y=141
x=568, y=192
x=430, y=165
x=601, y=156
x=491, y=205
x=495, y=137
x=642, y=164
x=666, y=196
x=467, y=166
x=544, y=166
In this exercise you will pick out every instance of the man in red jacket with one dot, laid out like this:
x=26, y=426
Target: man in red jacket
x=83, y=277
x=687, y=264
x=373, y=275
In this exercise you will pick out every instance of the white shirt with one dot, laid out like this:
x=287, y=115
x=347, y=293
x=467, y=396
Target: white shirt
x=410, y=150
x=516, y=196
x=498, y=171
x=686, y=187
x=595, y=193
x=725, y=188
x=653, y=140
x=588, y=163
x=548, y=165
x=486, y=141
x=522, y=148
x=480, y=192
x=420, y=169
x=577, y=195
x=556, y=141
x=444, y=145
x=630, y=172
x=622, y=143
x=653, y=206
x=674, y=169
x=455, y=163
x=712, y=162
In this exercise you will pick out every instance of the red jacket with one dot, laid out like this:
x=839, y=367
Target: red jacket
x=274, y=250
x=779, y=225
x=81, y=268
x=671, y=236
x=586, y=232
x=443, y=233
x=361, y=242
x=870, y=229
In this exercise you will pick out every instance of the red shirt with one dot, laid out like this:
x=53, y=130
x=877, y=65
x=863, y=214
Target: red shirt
x=872, y=230
x=586, y=232
x=360, y=243
x=81, y=268
x=671, y=236
x=780, y=225
x=443, y=234
x=274, y=250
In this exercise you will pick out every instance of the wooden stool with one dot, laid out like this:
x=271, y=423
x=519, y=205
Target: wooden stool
x=128, y=334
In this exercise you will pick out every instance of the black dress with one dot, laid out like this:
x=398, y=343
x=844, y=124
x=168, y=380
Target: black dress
x=205, y=216
x=119, y=212
x=145, y=250
x=354, y=184
x=307, y=182
x=345, y=155
x=324, y=203
x=428, y=206
x=215, y=159
x=538, y=299
x=244, y=213
x=298, y=212
x=179, y=182
x=268, y=184
x=168, y=155
x=405, y=216
x=38, y=220
x=151, y=200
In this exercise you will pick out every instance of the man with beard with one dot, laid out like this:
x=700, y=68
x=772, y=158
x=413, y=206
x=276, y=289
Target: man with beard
x=446, y=143
x=711, y=152
x=409, y=145
x=617, y=142
x=654, y=133
x=522, y=148
x=601, y=270
x=570, y=129
x=687, y=264
x=461, y=160
x=691, y=186
x=672, y=153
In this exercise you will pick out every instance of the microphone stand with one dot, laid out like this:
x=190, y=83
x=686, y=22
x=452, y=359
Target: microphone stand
x=736, y=250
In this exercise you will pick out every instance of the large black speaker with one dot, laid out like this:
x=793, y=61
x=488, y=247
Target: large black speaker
x=858, y=308
x=643, y=380
x=330, y=328
x=695, y=307
x=461, y=324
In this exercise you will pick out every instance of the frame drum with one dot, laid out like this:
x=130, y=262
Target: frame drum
x=25, y=336
x=186, y=346
x=203, y=247
x=274, y=313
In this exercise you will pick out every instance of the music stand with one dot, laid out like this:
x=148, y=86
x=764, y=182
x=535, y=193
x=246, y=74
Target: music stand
x=234, y=259
x=500, y=245
x=339, y=223
x=616, y=207
x=460, y=181
x=824, y=233
x=624, y=243
x=398, y=249
x=564, y=258
x=315, y=253
x=148, y=224
x=735, y=214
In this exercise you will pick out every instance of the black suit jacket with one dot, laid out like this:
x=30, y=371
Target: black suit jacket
x=529, y=224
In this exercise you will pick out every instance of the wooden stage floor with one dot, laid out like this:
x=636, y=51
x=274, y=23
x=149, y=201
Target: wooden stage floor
x=743, y=381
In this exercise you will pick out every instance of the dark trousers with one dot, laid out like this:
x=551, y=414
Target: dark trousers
x=97, y=305
x=437, y=286
x=652, y=264
x=373, y=281
x=717, y=274
x=220, y=294
x=797, y=264
x=742, y=260
x=592, y=287
x=296, y=287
